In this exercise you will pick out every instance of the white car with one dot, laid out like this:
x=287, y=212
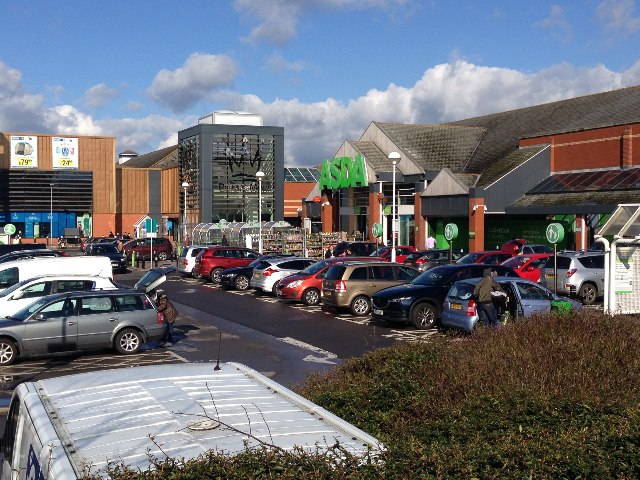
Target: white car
x=26, y=292
x=187, y=260
x=268, y=273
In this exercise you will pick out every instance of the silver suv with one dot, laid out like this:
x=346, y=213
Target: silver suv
x=580, y=274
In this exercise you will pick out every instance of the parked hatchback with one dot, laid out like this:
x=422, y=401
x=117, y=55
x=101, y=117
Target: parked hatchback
x=351, y=284
x=528, y=265
x=267, y=274
x=524, y=298
x=186, y=261
x=306, y=286
x=120, y=319
x=213, y=260
x=161, y=248
x=420, y=302
x=580, y=274
x=401, y=253
x=238, y=278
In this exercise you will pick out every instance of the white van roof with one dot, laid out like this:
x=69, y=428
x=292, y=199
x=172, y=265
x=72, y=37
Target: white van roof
x=182, y=410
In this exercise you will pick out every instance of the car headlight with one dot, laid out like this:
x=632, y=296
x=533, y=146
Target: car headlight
x=294, y=284
x=399, y=299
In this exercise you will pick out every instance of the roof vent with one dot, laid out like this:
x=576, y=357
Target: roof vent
x=203, y=425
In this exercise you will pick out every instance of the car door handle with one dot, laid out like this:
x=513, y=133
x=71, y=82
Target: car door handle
x=113, y=319
x=71, y=323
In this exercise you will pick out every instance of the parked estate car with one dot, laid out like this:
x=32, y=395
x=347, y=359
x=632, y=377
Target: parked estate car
x=420, y=302
x=525, y=298
x=110, y=250
x=306, y=286
x=490, y=257
x=580, y=274
x=120, y=319
x=25, y=254
x=357, y=249
x=401, y=253
x=238, y=277
x=351, y=284
x=267, y=274
x=423, y=260
x=161, y=247
x=211, y=261
x=528, y=265
x=186, y=261
x=28, y=291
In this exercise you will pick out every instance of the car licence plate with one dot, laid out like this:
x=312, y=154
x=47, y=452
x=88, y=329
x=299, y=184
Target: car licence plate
x=456, y=306
x=549, y=275
x=256, y=275
x=377, y=312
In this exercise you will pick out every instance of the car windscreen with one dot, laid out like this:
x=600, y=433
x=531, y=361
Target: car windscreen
x=516, y=261
x=13, y=288
x=461, y=291
x=335, y=272
x=469, y=258
x=314, y=268
x=379, y=252
x=433, y=276
x=27, y=311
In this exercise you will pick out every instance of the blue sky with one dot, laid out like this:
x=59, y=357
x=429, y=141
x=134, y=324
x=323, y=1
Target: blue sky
x=323, y=69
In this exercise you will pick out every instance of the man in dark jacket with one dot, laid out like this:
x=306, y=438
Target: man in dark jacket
x=486, y=310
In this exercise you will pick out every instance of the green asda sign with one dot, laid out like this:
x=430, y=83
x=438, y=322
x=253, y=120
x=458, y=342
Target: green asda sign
x=343, y=172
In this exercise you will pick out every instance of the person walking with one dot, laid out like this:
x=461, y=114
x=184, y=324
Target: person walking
x=430, y=242
x=486, y=309
x=169, y=314
x=328, y=253
x=224, y=241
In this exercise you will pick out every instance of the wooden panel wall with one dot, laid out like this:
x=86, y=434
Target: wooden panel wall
x=170, y=193
x=135, y=190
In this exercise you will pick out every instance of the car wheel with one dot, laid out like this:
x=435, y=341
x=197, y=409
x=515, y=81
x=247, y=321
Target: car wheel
x=274, y=289
x=162, y=256
x=194, y=274
x=360, y=306
x=128, y=341
x=588, y=294
x=424, y=316
x=214, y=276
x=241, y=282
x=8, y=352
x=311, y=297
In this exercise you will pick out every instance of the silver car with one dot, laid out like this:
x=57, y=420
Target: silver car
x=523, y=298
x=268, y=273
x=579, y=274
x=187, y=260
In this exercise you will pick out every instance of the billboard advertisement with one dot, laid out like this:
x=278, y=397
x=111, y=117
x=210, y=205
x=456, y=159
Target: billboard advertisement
x=24, y=151
x=65, y=152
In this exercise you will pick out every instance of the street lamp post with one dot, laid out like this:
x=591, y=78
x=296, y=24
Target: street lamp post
x=394, y=157
x=185, y=186
x=259, y=175
x=51, y=214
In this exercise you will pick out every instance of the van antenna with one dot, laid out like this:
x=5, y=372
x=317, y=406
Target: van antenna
x=217, y=367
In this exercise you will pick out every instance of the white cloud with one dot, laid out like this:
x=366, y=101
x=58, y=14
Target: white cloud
x=557, y=24
x=99, y=95
x=277, y=63
x=200, y=75
x=145, y=134
x=617, y=15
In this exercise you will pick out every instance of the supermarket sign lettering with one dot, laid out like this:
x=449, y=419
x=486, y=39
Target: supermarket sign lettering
x=343, y=172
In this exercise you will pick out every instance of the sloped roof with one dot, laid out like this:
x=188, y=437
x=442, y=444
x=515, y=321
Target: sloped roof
x=504, y=130
x=434, y=147
x=375, y=157
x=163, y=158
x=574, y=202
x=500, y=167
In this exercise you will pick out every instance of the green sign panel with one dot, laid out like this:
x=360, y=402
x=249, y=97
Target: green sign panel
x=376, y=230
x=343, y=172
x=151, y=224
x=450, y=231
x=9, y=229
x=555, y=233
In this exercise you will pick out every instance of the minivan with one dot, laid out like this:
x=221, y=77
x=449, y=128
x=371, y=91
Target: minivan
x=351, y=284
x=18, y=270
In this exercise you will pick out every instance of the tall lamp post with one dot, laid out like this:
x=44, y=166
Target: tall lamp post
x=259, y=175
x=185, y=186
x=51, y=214
x=394, y=157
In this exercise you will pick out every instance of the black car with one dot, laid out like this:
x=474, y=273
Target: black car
x=355, y=249
x=27, y=254
x=420, y=302
x=423, y=260
x=238, y=277
x=118, y=259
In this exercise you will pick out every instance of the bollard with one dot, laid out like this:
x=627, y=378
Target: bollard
x=143, y=261
x=155, y=260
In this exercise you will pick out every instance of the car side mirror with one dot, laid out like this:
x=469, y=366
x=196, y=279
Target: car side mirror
x=17, y=296
x=40, y=317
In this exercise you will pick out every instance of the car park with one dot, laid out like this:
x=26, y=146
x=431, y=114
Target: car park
x=525, y=298
x=423, y=260
x=306, y=285
x=268, y=273
x=579, y=274
x=116, y=257
x=528, y=265
x=186, y=261
x=520, y=246
x=351, y=284
x=490, y=257
x=238, y=278
x=27, y=254
x=213, y=260
x=82, y=320
x=160, y=248
x=420, y=302
x=28, y=291
x=354, y=249
x=401, y=253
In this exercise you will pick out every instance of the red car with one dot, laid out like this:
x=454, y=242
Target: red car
x=486, y=256
x=305, y=286
x=213, y=260
x=402, y=252
x=528, y=266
